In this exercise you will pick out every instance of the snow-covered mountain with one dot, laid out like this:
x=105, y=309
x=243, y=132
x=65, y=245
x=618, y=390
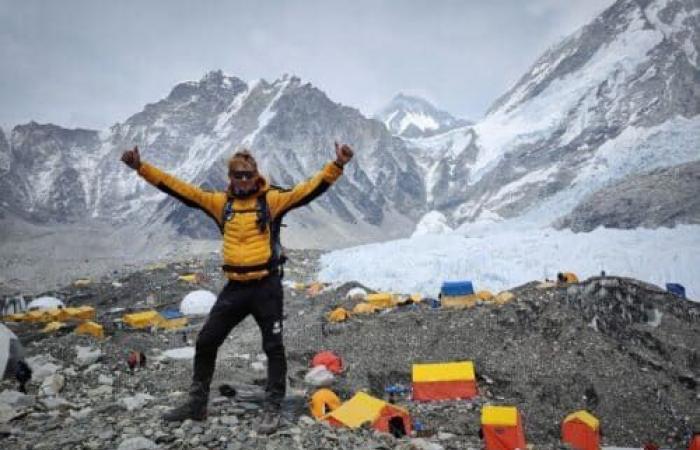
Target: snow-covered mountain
x=55, y=174
x=617, y=98
x=410, y=117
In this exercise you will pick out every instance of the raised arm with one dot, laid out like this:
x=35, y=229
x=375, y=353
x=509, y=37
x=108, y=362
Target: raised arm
x=211, y=203
x=282, y=201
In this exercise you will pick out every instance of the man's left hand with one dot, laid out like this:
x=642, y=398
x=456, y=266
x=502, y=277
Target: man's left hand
x=343, y=154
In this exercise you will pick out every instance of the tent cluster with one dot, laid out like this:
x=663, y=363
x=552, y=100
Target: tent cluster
x=55, y=316
x=501, y=426
x=461, y=294
x=52, y=312
x=372, y=303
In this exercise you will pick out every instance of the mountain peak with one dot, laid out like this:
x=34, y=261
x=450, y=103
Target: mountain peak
x=412, y=116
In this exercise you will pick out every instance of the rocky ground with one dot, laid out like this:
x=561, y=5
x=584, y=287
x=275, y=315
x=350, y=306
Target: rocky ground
x=626, y=351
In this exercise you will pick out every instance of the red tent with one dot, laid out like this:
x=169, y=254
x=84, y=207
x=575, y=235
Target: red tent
x=329, y=359
x=581, y=430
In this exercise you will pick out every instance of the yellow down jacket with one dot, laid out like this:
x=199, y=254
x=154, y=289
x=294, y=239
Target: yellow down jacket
x=247, y=251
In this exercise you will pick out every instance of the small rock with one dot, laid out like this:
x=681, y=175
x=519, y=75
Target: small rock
x=137, y=401
x=104, y=379
x=306, y=420
x=52, y=385
x=81, y=414
x=86, y=355
x=52, y=403
x=106, y=435
x=100, y=391
x=137, y=443
x=92, y=368
x=16, y=399
x=229, y=421
x=258, y=365
x=443, y=435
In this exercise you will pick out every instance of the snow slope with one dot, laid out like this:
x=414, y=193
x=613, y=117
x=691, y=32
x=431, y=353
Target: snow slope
x=509, y=257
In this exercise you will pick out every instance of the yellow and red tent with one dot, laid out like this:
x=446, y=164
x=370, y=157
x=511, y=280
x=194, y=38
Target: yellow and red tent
x=444, y=381
x=502, y=428
x=581, y=430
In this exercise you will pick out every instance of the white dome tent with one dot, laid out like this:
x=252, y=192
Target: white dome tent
x=197, y=303
x=45, y=302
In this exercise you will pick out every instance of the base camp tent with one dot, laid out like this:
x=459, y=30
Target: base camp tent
x=502, y=428
x=581, y=430
x=197, y=303
x=443, y=381
x=323, y=402
x=11, y=352
x=382, y=416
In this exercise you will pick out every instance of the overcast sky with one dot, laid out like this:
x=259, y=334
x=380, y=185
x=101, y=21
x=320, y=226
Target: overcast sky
x=92, y=63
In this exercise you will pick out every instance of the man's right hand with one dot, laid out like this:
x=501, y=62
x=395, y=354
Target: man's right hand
x=132, y=158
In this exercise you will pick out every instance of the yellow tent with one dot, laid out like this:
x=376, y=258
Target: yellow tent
x=90, y=328
x=359, y=409
x=17, y=317
x=363, y=408
x=485, y=295
x=143, y=319
x=504, y=297
x=82, y=282
x=416, y=298
x=190, y=278
x=364, y=308
x=173, y=324
x=78, y=313
x=338, y=315
x=53, y=326
x=459, y=301
x=567, y=277
x=381, y=299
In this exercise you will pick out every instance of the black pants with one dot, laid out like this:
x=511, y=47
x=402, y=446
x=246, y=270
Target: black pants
x=262, y=299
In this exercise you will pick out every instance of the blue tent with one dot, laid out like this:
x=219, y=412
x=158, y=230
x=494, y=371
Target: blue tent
x=457, y=288
x=170, y=314
x=676, y=289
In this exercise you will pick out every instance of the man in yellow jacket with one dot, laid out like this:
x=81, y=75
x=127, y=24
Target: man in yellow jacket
x=248, y=214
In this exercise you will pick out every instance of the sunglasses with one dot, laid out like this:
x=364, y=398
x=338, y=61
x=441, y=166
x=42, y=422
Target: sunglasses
x=242, y=174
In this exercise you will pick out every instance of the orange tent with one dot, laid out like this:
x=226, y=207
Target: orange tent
x=502, y=428
x=322, y=402
x=581, y=430
x=443, y=381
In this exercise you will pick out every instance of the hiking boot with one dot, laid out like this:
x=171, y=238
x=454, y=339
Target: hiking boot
x=270, y=421
x=194, y=408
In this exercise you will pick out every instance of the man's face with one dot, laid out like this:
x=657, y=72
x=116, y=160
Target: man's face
x=242, y=177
